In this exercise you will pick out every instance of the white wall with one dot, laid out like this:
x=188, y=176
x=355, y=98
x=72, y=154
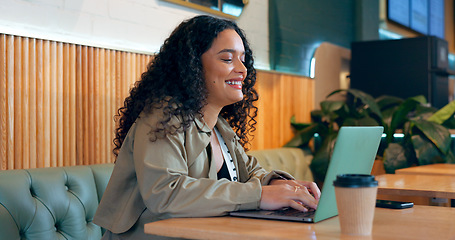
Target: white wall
x=132, y=25
x=332, y=66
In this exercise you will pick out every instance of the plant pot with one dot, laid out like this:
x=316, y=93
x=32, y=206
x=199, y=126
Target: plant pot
x=378, y=168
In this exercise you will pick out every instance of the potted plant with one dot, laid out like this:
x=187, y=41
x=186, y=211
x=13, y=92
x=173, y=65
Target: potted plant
x=424, y=131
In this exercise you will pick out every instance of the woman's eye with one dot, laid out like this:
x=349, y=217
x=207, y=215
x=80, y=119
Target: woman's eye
x=226, y=60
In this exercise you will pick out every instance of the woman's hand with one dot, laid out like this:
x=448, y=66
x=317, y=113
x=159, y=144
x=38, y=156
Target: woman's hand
x=299, y=195
x=311, y=186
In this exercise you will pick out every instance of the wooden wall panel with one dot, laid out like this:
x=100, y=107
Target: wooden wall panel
x=58, y=101
x=281, y=96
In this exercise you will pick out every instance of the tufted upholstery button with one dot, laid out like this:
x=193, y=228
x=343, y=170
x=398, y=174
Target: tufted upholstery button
x=66, y=187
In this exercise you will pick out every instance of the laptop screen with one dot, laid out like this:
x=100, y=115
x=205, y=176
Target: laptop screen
x=354, y=152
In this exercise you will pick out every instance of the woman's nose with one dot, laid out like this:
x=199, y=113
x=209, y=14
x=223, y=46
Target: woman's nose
x=240, y=67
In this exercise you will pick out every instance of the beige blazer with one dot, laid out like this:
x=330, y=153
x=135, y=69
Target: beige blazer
x=172, y=177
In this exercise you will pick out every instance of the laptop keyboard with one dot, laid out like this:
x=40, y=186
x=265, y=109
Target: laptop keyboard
x=291, y=212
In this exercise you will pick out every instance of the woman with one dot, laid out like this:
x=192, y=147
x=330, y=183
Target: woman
x=177, y=153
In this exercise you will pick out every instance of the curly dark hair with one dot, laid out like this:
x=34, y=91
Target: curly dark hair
x=175, y=77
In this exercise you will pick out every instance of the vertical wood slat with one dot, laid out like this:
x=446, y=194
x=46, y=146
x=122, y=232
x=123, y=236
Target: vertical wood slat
x=72, y=105
x=58, y=101
x=39, y=104
x=46, y=104
x=66, y=106
x=95, y=123
x=59, y=105
x=53, y=105
x=79, y=106
x=102, y=110
x=32, y=73
x=25, y=100
x=85, y=109
x=107, y=111
x=18, y=92
x=3, y=105
x=90, y=106
x=10, y=101
x=113, y=105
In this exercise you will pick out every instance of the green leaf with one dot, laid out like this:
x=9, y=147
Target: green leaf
x=444, y=113
x=366, y=99
x=394, y=158
x=316, y=115
x=422, y=112
x=385, y=102
x=329, y=107
x=366, y=121
x=298, y=126
x=296, y=141
x=303, y=137
x=400, y=115
x=387, y=115
x=449, y=123
x=293, y=119
x=420, y=99
x=426, y=152
x=437, y=134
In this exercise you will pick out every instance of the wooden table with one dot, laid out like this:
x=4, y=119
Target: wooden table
x=413, y=223
x=441, y=169
x=417, y=185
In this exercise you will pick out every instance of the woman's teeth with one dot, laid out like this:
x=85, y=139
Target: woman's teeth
x=234, y=82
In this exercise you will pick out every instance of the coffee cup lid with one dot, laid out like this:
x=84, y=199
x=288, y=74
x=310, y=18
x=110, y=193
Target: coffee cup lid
x=355, y=180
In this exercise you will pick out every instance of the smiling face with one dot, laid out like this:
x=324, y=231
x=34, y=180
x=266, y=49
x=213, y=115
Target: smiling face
x=224, y=70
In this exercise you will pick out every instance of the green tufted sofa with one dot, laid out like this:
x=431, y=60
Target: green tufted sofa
x=52, y=203
x=59, y=202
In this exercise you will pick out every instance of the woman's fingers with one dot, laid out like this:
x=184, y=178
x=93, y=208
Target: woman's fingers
x=312, y=187
x=298, y=206
x=314, y=190
x=303, y=196
x=287, y=195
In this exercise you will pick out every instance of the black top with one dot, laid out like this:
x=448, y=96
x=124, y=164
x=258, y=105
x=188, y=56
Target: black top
x=224, y=173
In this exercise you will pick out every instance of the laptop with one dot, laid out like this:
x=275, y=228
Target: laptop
x=354, y=152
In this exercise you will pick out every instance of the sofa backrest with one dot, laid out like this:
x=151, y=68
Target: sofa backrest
x=291, y=160
x=52, y=203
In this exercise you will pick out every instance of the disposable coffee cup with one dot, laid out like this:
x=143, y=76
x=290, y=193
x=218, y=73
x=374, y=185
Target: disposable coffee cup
x=356, y=200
